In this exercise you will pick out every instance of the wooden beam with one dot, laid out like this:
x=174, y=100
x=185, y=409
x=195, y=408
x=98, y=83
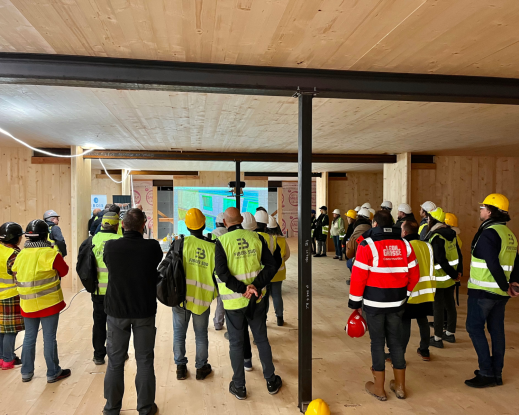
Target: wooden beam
x=186, y=177
x=51, y=160
x=162, y=173
x=105, y=176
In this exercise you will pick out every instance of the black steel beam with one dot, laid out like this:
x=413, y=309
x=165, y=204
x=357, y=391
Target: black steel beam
x=422, y=158
x=277, y=174
x=234, y=156
x=304, y=261
x=116, y=73
x=238, y=182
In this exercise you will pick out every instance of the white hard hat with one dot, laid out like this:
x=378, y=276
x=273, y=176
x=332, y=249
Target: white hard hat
x=272, y=223
x=364, y=212
x=261, y=216
x=337, y=212
x=387, y=204
x=366, y=205
x=404, y=207
x=219, y=218
x=428, y=206
x=249, y=222
x=357, y=209
x=373, y=211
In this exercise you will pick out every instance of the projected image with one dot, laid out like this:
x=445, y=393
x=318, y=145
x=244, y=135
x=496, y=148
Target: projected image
x=212, y=201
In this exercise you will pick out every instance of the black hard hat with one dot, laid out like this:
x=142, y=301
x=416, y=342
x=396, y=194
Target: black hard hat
x=10, y=231
x=37, y=229
x=323, y=208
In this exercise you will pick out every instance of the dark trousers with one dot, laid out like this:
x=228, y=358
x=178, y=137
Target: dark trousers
x=444, y=299
x=313, y=245
x=99, y=327
x=491, y=312
x=118, y=340
x=425, y=332
x=386, y=328
x=337, y=244
x=236, y=325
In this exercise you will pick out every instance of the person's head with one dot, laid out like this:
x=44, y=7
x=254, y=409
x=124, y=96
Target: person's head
x=134, y=220
x=323, y=210
x=403, y=210
x=313, y=213
x=115, y=208
x=232, y=217
x=435, y=217
x=219, y=221
x=351, y=215
x=110, y=222
x=37, y=230
x=96, y=211
x=495, y=206
x=364, y=213
x=249, y=223
x=195, y=220
x=51, y=216
x=409, y=227
x=382, y=219
x=386, y=205
x=138, y=206
x=261, y=208
x=272, y=226
x=350, y=220
x=425, y=208
x=336, y=213
x=11, y=233
x=262, y=218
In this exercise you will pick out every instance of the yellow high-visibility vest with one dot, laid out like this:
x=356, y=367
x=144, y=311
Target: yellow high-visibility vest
x=7, y=285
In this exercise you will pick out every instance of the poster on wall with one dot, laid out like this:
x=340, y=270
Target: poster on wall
x=97, y=202
x=143, y=195
x=290, y=207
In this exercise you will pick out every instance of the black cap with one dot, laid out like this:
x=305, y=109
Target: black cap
x=10, y=231
x=323, y=208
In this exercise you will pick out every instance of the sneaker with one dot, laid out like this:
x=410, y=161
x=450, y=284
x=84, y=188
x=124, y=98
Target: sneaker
x=481, y=382
x=247, y=365
x=17, y=361
x=240, y=393
x=203, y=372
x=154, y=409
x=424, y=354
x=499, y=379
x=226, y=335
x=275, y=385
x=7, y=365
x=97, y=361
x=27, y=379
x=448, y=338
x=65, y=373
x=335, y=257
x=281, y=322
x=218, y=328
x=317, y=255
x=436, y=343
x=181, y=372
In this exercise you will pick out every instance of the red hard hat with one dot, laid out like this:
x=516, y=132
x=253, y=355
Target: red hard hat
x=356, y=326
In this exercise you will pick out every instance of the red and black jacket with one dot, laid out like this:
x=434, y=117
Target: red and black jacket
x=384, y=273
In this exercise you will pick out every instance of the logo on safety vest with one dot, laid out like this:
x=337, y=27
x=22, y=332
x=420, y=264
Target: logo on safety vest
x=392, y=250
x=242, y=243
x=200, y=253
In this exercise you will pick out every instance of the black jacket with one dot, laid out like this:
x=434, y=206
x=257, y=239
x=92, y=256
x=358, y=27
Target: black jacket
x=264, y=277
x=487, y=246
x=322, y=220
x=407, y=217
x=423, y=234
x=438, y=246
x=132, y=263
x=57, y=237
x=97, y=222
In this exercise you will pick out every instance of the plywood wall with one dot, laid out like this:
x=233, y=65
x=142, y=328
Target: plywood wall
x=27, y=190
x=105, y=186
x=459, y=184
x=397, y=182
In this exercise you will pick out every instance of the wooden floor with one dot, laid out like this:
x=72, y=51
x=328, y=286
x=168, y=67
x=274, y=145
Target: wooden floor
x=341, y=366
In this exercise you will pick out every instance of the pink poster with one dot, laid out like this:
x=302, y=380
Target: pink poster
x=290, y=207
x=143, y=195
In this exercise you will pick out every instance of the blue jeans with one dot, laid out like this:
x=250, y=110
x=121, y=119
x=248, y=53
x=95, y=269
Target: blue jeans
x=49, y=326
x=7, y=341
x=491, y=312
x=181, y=319
x=338, y=247
x=349, y=263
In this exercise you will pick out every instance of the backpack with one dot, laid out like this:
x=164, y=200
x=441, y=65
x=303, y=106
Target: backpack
x=86, y=266
x=171, y=288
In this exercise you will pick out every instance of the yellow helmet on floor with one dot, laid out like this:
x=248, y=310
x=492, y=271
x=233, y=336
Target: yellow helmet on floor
x=318, y=407
x=438, y=214
x=195, y=219
x=351, y=214
x=498, y=200
x=451, y=219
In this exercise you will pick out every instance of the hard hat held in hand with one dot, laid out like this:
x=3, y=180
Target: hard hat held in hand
x=318, y=407
x=356, y=326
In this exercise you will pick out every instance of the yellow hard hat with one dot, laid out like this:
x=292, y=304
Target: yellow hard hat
x=438, y=214
x=195, y=219
x=498, y=200
x=351, y=214
x=451, y=219
x=318, y=407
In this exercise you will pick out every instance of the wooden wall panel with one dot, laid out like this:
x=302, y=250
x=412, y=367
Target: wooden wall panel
x=397, y=181
x=359, y=188
x=105, y=187
x=27, y=190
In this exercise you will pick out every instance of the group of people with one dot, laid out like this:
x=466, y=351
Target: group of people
x=407, y=271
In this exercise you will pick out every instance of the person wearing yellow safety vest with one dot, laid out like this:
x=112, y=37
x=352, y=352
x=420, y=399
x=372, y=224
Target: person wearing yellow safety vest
x=420, y=303
x=425, y=208
x=275, y=286
x=244, y=266
x=38, y=270
x=321, y=231
x=448, y=268
x=219, y=313
x=337, y=233
x=11, y=320
x=494, y=278
x=198, y=262
x=55, y=236
x=109, y=227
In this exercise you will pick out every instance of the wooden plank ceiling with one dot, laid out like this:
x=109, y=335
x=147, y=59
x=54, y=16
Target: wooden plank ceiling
x=464, y=37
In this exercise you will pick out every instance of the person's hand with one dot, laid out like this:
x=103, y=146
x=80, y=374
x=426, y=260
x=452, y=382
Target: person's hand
x=511, y=291
x=251, y=289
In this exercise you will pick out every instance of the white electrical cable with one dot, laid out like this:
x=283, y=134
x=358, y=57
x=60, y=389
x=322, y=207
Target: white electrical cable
x=43, y=151
x=115, y=181
x=132, y=195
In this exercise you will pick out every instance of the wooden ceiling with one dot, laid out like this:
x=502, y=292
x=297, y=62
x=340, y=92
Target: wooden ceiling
x=464, y=37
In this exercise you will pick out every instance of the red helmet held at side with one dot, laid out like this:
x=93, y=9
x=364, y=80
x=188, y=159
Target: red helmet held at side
x=356, y=326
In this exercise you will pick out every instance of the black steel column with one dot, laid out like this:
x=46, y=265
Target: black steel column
x=238, y=179
x=304, y=261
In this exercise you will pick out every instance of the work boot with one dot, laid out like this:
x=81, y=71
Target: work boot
x=376, y=388
x=181, y=372
x=398, y=385
x=203, y=372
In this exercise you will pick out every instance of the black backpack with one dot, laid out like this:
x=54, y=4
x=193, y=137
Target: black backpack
x=86, y=266
x=171, y=288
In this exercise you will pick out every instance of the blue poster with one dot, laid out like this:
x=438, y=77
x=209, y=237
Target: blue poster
x=98, y=201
